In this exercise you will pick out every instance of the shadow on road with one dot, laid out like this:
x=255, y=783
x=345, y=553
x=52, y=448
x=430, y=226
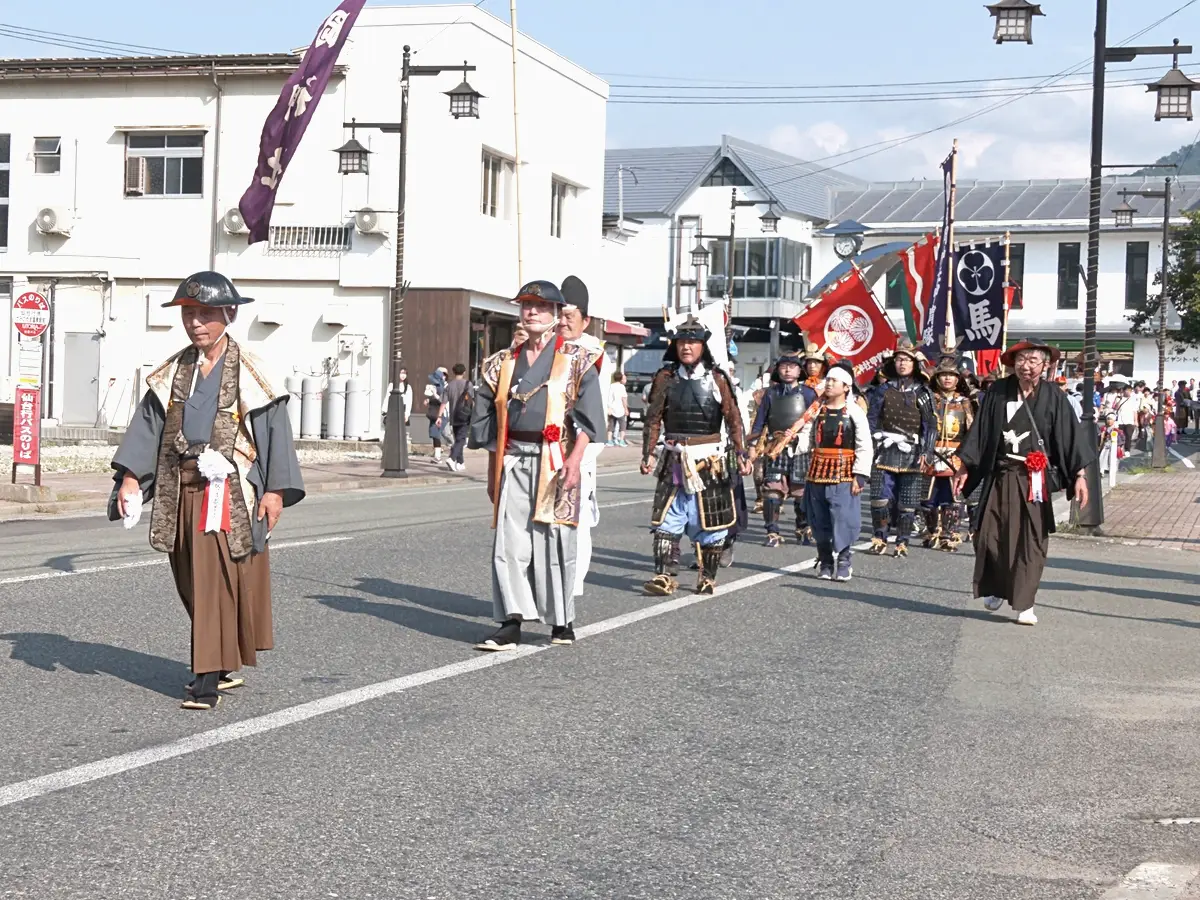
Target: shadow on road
x=1135, y=593
x=50, y=651
x=1099, y=567
x=821, y=589
x=1102, y=615
x=424, y=621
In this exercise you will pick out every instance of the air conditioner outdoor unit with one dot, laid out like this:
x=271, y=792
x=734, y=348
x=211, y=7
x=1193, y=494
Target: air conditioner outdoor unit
x=367, y=222
x=54, y=220
x=234, y=222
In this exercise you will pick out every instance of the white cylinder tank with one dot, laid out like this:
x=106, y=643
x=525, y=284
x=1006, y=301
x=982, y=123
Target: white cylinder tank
x=294, y=384
x=356, y=409
x=335, y=409
x=310, y=408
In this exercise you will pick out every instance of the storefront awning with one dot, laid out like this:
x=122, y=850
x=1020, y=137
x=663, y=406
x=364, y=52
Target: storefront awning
x=626, y=329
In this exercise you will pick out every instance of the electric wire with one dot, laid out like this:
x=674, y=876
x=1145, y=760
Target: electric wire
x=77, y=41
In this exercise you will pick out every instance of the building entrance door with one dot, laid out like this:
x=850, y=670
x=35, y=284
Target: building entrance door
x=81, y=378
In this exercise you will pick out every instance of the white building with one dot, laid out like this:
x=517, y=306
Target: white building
x=140, y=159
x=1047, y=221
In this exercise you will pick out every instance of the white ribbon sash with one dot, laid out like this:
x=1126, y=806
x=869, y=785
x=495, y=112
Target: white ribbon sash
x=216, y=470
x=892, y=439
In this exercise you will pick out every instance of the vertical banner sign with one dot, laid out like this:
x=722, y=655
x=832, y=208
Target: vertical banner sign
x=979, y=296
x=27, y=420
x=288, y=121
x=939, y=301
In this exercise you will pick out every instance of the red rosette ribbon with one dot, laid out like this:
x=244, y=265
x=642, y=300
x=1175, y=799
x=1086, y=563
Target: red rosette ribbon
x=552, y=435
x=1036, y=464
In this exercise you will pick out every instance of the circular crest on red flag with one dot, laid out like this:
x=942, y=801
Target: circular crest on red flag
x=848, y=330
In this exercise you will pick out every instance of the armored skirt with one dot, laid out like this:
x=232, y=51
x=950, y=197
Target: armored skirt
x=228, y=601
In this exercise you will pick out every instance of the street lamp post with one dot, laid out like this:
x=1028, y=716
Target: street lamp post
x=1125, y=213
x=1171, y=89
x=464, y=102
x=770, y=225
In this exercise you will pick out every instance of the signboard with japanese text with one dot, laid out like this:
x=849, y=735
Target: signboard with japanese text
x=31, y=314
x=27, y=426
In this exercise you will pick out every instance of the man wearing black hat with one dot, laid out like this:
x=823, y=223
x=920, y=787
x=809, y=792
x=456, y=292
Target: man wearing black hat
x=955, y=414
x=1025, y=444
x=690, y=399
x=780, y=436
x=211, y=443
x=902, y=424
x=552, y=409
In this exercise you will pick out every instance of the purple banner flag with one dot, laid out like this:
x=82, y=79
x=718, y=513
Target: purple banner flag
x=939, y=301
x=288, y=121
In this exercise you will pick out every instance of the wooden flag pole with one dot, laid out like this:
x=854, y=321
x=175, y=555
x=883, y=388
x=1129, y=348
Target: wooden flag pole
x=1007, y=298
x=862, y=278
x=950, y=241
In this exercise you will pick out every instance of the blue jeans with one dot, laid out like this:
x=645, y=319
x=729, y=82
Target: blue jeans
x=683, y=517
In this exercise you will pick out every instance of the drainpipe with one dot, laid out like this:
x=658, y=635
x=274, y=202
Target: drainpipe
x=216, y=178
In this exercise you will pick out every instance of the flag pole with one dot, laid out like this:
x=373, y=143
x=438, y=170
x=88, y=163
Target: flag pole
x=1007, y=296
x=878, y=305
x=950, y=239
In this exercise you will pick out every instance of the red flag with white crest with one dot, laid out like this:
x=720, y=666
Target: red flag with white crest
x=847, y=322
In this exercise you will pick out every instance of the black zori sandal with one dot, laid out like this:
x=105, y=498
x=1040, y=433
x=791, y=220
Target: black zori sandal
x=203, y=692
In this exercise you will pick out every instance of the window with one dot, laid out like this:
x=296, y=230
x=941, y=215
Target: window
x=497, y=172
x=897, y=288
x=1137, y=269
x=164, y=165
x=1068, y=276
x=1016, y=273
x=762, y=267
x=5, y=145
x=47, y=155
x=560, y=192
x=726, y=174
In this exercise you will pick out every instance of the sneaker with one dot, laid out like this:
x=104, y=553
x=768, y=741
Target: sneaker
x=1026, y=617
x=437, y=456
x=844, y=570
x=506, y=637
x=991, y=604
x=451, y=465
x=825, y=573
x=562, y=634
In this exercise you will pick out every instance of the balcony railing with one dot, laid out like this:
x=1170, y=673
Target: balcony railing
x=309, y=240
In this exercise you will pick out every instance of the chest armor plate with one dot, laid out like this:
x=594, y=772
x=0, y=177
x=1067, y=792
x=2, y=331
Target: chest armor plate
x=951, y=420
x=692, y=408
x=786, y=408
x=827, y=429
x=900, y=414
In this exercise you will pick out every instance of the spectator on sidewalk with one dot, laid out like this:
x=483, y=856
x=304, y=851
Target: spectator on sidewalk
x=460, y=403
x=406, y=396
x=1110, y=436
x=1072, y=397
x=435, y=401
x=1183, y=410
x=1127, y=408
x=618, y=410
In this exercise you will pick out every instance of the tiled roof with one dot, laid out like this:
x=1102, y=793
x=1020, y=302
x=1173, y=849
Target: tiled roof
x=658, y=179
x=906, y=202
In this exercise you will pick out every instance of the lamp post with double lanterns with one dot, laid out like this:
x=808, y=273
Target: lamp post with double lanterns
x=353, y=159
x=769, y=221
x=1124, y=214
x=1014, y=22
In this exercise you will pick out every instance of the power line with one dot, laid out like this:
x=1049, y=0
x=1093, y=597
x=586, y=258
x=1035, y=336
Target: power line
x=75, y=41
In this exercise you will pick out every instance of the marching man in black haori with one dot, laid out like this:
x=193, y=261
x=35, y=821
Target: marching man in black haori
x=1025, y=445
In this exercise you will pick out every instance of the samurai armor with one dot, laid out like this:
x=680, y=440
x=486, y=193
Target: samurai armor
x=692, y=408
x=717, y=509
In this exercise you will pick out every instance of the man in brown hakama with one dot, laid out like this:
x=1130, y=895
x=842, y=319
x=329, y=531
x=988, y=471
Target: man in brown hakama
x=212, y=445
x=1025, y=444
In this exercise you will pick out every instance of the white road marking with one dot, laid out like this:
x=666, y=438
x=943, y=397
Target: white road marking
x=21, y=791
x=1153, y=881
x=157, y=561
x=1187, y=462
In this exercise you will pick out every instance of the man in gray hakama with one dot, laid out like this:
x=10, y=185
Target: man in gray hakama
x=211, y=444
x=537, y=439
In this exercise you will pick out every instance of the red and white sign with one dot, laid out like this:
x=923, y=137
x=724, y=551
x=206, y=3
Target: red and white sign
x=31, y=314
x=27, y=426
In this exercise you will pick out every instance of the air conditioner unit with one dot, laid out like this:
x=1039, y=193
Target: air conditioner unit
x=367, y=222
x=234, y=222
x=135, y=176
x=54, y=220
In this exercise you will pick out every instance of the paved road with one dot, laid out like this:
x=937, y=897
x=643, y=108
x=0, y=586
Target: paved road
x=788, y=738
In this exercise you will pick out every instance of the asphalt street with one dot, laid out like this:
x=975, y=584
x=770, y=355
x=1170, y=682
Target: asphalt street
x=882, y=738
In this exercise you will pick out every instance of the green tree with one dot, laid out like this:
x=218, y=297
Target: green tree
x=1183, y=288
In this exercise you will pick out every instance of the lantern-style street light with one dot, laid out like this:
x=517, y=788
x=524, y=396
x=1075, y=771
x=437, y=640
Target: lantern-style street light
x=1174, y=92
x=1172, y=103
x=770, y=221
x=1123, y=214
x=352, y=160
x=1014, y=20
x=699, y=255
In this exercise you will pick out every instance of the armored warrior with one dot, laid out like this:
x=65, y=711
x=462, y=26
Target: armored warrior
x=841, y=454
x=900, y=412
x=815, y=366
x=690, y=399
x=538, y=409
x=955, y=414
x=212, y=445
x=780, y=436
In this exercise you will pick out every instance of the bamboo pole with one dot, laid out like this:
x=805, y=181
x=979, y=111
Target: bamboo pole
x=512, y=13
x=1007, y=299
x=950, y=243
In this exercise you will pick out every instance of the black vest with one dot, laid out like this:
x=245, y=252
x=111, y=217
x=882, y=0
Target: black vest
x=787, y=406
x=691, y=407
x=827, y=428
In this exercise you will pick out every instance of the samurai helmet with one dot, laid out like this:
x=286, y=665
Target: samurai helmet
x=690, y=329
x=812, y=351
x=540, y=290
x=905, y=347
x=210, y=289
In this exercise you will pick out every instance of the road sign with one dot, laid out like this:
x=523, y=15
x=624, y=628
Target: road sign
x=31, y=314
x=27, y=427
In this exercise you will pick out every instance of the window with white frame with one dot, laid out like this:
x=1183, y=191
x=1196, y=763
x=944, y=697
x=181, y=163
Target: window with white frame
x=47, y=155
x=497, y=175
x=164, y=165
x=561, y=195
x=5, y=150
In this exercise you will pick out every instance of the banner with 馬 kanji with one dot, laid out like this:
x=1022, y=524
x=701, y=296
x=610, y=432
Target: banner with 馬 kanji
x=937, y=314
x=979, y=295
x=289, y=119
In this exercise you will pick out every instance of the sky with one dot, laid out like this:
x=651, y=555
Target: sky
x=680, y=50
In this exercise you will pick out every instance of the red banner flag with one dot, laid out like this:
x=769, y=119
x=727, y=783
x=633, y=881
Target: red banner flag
x=847, y=322
x=920, y=261
x=986, y=362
